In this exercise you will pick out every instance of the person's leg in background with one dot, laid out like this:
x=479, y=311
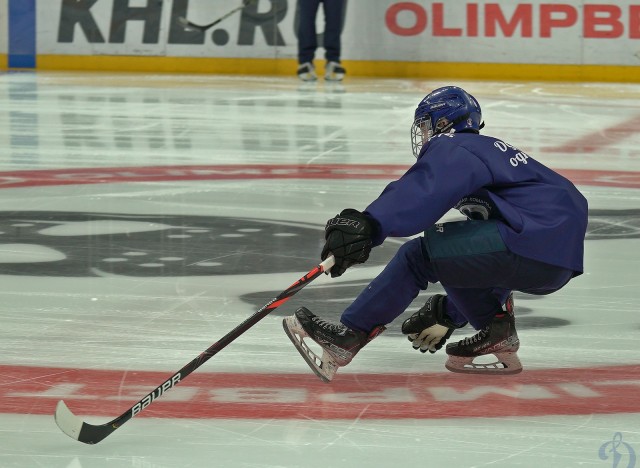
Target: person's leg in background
x=307, y=39
x=334, y=13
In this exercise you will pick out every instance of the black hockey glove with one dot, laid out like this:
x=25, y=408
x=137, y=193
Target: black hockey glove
x=430, y=327
x=348, y=238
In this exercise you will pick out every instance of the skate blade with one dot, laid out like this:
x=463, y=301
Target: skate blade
x=334, y=77
x=505, y=364
x=324, y=367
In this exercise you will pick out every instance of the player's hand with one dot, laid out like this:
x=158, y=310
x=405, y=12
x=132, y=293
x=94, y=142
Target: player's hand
x=429, y=328
x=430, y=339
x=349, y=238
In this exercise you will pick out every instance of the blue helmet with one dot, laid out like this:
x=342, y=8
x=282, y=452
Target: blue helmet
x=445, y=110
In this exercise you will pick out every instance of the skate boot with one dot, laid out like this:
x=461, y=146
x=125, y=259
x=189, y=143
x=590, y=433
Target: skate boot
x=339, y=343
x=334, y=71
x=307, y=72
x=499, y=338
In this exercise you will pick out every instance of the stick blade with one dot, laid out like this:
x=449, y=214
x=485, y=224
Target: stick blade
x=68, y=422
x=185, y=23
x=79, y=430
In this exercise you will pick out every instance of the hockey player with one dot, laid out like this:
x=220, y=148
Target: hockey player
x=524, y=231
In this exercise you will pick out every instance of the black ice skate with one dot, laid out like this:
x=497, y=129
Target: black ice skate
x=499, y=338
x=339, y=343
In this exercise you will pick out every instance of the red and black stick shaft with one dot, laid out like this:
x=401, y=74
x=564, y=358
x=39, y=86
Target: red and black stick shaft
x=77, y=429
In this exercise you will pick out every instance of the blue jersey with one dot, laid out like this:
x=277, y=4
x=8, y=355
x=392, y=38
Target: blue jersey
x=544, y=217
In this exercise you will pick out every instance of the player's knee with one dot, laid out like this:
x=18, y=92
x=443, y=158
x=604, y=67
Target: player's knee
x=413, y=254
x=411, y=250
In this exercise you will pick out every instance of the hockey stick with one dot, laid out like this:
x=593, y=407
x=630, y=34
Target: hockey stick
x=77, y=429
x=188, y=24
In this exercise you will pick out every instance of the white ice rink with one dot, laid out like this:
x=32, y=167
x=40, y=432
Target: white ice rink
x=143, y=217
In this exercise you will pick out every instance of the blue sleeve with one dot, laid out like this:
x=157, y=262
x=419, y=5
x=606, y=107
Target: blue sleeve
x=443, y=175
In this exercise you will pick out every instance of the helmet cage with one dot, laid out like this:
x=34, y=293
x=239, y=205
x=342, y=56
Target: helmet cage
x=422, y=130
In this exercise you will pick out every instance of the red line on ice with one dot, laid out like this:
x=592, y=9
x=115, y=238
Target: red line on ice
x=108, y=393
x=105, y=175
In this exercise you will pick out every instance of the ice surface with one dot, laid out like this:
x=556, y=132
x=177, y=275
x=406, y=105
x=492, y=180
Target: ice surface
x=144, y=217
